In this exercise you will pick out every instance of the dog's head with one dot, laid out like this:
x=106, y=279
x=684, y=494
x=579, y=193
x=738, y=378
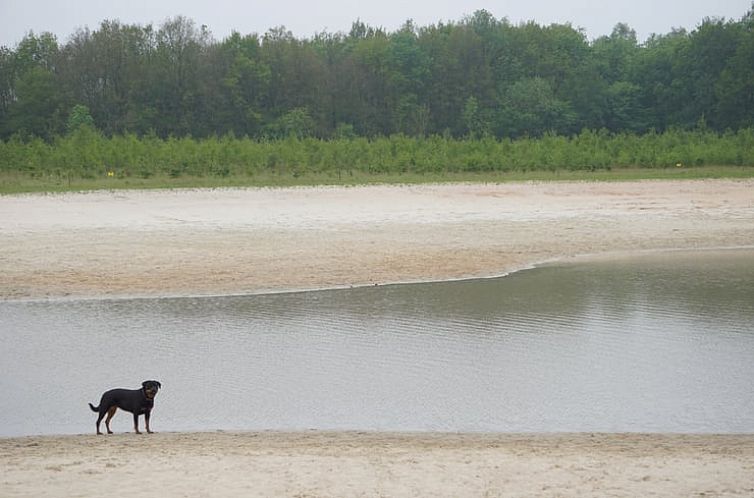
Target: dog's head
x=150, y=388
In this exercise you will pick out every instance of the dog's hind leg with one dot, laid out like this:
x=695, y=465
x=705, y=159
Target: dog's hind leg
x=110, y=415
x=99, y=419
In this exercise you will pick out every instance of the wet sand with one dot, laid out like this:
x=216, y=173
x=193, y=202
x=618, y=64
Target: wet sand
x=194, y=242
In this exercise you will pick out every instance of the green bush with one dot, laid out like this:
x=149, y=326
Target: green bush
x=87, y=154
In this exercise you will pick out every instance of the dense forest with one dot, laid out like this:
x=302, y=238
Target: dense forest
x=480, y=77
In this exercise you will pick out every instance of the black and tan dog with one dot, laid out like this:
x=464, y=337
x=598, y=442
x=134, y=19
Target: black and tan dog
x=136, y=401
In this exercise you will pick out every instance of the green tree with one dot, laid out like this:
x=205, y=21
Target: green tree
x=370, y=60
x=7, y=87
x=36, y=110
x=296, y=123
x=734, y=89
x=35, y=98
x=79, y=117
x=661, y=78
x=407, y=68
x=531, y=108
x=105, y=70
x=240, y=94
x=623, y=110
x=711, y=46
x=477, y=125
x=174, y=77
x=37, y=52
x=614, y=54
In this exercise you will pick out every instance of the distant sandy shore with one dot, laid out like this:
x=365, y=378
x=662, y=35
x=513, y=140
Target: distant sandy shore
x=195, y=242
x=322, y=464
x=236, y=241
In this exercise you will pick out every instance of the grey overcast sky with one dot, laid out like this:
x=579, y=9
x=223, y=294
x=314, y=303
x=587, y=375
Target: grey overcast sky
x=305, y=18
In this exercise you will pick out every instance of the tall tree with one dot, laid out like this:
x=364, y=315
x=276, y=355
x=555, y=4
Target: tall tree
x=734, y=89
x=173, y=72
x=408, y=68
x=35, y=106
x=240, y=93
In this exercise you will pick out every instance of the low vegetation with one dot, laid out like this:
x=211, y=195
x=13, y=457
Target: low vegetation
x=85, y=159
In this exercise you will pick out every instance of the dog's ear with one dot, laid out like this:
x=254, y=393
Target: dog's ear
x=144, y=384
x=159, y=386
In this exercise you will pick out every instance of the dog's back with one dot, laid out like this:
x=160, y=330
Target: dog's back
x=131, y=400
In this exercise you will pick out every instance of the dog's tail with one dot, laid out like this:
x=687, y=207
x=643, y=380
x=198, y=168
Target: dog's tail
x=94, y=408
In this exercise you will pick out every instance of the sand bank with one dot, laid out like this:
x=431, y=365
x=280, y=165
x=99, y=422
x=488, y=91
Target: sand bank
x=194, y=242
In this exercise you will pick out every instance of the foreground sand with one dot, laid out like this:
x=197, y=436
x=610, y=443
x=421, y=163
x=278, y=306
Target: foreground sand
x=378, y=464
x=190, y=242
x=117, y=244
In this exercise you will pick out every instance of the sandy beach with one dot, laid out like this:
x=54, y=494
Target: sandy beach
x=236, y=241
x=321, y=464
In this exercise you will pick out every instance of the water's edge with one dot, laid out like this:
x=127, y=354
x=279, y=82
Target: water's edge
x=578, y=258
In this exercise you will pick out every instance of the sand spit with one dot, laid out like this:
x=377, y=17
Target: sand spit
x=236, y=241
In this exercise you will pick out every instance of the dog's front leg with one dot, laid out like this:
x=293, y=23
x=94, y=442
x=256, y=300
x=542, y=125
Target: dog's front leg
x=146, y=421
x=136, y=423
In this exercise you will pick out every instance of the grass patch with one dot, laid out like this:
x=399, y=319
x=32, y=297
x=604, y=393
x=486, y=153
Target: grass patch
x=15, y=183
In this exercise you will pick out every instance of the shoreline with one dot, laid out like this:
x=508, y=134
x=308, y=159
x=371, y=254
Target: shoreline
x=375, y=435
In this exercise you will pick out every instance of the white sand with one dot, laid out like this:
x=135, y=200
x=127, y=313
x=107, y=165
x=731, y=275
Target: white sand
x=111, y=244
x=188, y=242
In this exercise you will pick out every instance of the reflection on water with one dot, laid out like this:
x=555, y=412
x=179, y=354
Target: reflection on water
x=660, y=342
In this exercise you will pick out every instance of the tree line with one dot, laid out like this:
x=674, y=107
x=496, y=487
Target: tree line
x=480, y=77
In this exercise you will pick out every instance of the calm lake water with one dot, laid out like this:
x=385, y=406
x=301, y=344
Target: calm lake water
x=661, y=342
